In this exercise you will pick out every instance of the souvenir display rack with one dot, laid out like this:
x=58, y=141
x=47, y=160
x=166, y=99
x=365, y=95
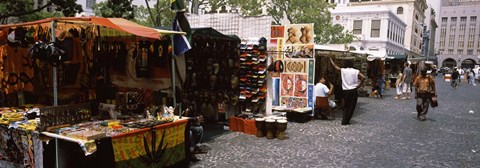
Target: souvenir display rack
x=253, y=86
x=211, y=83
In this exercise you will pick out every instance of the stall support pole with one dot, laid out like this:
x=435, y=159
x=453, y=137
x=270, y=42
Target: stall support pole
x=174, y=80
x=55, y=98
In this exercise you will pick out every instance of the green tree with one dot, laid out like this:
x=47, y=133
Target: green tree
x=299, y=11
x=115, y=8
x=24, y=9
x=160, y=14
x=196, y=5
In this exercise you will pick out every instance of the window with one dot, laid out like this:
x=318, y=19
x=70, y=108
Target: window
x=443, y=32
x=90, y=4
x=375, y=28
x=400, y=10
x=450, y=51
x=453, y=28
x=469, y=52
x=472, y=30
x=478, y=52
x=461, y=33
x=441, y=51
x=357, y=27
x=460, y=52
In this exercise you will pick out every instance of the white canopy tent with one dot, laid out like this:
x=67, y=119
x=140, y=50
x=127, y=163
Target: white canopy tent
x=372, y=55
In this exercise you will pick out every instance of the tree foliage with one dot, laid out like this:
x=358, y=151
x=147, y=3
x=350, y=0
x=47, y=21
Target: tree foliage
x=196, y=5
x=157, y=15
x=115, y=8
x=299, y=11
x=160, y=13
x=24, y=9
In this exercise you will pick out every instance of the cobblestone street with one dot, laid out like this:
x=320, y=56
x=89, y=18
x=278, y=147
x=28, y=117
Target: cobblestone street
x=384, y=133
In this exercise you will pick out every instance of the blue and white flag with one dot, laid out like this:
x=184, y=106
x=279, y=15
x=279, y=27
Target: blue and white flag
x=181, y=43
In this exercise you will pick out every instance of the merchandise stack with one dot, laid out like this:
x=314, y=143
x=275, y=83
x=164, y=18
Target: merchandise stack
x=253, y=87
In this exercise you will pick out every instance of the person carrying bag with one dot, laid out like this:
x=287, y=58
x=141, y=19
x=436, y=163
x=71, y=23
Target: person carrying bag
x=424, y=89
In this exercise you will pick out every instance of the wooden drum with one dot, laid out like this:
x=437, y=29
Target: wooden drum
x=281, y=126
x=270, y=128
x=260, y=124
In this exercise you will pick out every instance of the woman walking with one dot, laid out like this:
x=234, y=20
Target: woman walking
x=398, y=85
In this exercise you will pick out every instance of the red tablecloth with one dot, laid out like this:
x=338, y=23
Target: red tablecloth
x=243, y=125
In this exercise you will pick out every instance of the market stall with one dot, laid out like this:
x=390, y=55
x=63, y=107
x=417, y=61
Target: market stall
x=212, y=74
x=92, y=61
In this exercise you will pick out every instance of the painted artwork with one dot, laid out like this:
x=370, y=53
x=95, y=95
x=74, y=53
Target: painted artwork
x=277, y=31
x=310, y=95
x=299, y=51
x=311, y=70
x=287, y=84
x=294, y=102
x=299, y=34
x=295, y=66
x=301, y=85
x=276, y=90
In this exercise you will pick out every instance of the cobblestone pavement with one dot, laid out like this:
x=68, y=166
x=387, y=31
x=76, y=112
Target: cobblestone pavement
x=384, y=133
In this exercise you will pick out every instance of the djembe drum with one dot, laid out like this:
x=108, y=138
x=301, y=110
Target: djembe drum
x=281, y=126
x=270, y=128
x=260, y=124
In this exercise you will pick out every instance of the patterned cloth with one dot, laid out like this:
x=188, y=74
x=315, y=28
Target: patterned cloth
x=162, y=146
x=19, y=146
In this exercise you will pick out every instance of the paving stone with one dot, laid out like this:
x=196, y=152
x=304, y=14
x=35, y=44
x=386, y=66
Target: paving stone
x=384, y=133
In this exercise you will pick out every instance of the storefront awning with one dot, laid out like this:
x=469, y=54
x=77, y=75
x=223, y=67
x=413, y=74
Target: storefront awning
x=118, y=24
x=324, y=48
x=372, y=55
x=399, y=57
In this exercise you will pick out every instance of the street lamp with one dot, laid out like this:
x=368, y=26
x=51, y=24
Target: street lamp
x=459, y=63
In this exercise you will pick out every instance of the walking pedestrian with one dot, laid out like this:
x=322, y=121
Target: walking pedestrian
x=407, y=81
x=398, y=85
x=352, y=79
x=471, y=77
x=455, y=76
x=461, y=72
x=424, y=89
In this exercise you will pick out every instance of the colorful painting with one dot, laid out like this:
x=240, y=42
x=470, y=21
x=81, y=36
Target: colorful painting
x=294, y=102
x=310, y=95
x=299, y=34
x=295, y=66
x=276, y=90
x=277, y=31
x=299, y=51
x=162, y=146
x=287, y=84
x=311, y=70
x=301, y=85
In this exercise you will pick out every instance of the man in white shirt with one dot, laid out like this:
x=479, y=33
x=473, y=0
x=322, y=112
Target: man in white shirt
x=352, y=79
x=321, y=90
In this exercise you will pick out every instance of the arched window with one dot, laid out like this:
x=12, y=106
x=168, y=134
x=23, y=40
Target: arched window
x=400, y=10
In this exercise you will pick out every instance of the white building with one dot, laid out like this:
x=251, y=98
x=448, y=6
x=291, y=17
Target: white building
x=377, y=29
x=411, y=12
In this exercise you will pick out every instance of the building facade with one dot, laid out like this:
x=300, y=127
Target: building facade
x=430, y=34
x=376, y=29
x=459, y=33
x=411, y=12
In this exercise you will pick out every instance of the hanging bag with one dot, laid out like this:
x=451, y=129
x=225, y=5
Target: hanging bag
x=433, y=97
